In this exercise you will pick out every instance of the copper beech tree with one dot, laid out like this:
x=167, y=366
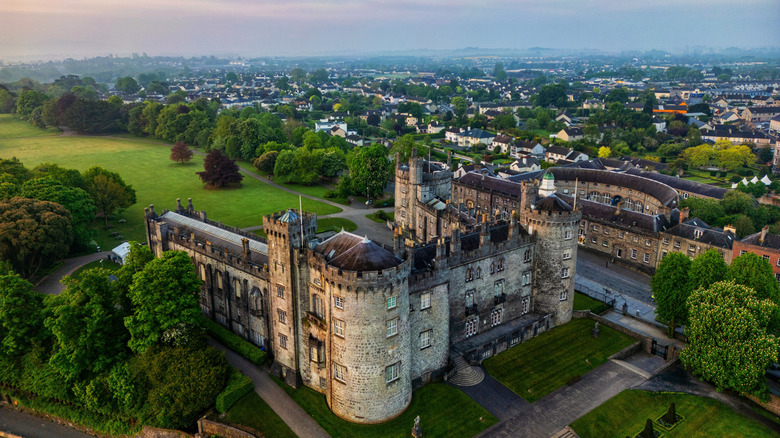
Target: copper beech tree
x=219, y=170
x=181, y=152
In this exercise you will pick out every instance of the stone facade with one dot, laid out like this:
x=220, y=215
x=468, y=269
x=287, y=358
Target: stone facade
x=364, y=324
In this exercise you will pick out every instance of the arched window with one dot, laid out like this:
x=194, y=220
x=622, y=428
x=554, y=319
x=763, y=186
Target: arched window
x=492, y=268
x=479, y=272
x=501, y=264
x=628, y=204
x=606, y=198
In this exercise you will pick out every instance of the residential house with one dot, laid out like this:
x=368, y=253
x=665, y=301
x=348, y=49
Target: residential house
x=519, y=148
x=692, y=237
x=525, y=164
x=764, y=244
x=756, y=114
x=435, y=127
x=501, y=143
x=451, y=135
x=556, y=153
x=570, y=134
x=475, y=136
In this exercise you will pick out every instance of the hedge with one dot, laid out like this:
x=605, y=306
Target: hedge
x=234, y=342
x=238, y=386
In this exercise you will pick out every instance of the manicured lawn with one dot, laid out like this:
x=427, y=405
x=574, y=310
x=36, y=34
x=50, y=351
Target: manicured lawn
x=444, y=412
x=157, y=180
x=335, y=224
x=543, y=364
x=375, y=217
x=626, y=414
x=254, y=412
x=107, y=265
x=316, y=190
x=584, y=302
x=11, y=127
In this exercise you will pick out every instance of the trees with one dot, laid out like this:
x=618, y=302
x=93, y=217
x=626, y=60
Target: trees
x=728, y=342
x=369, y=169
x=20, y=314
x=33, y=233
x=605, y=152
x=108, y=191
x=127, y=85
x=671, y=287
x=88, y=325
x=700, y=155
x=219, y=170
x=404, y=146
x=165, y=302
x=551, y=94
x=735, y=157
x=77, y=201
x=28, y=101
x=265, y=163
x=754, y=272
x=707, y=268
x=181, y=152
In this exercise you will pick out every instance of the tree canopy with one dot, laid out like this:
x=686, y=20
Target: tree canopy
x=369, y=169
x=219, y=170
x=671, y=287
x=181, y=152
x=109, y=191
x=728, y=343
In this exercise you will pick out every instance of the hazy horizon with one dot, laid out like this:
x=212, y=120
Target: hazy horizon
x=47, y=29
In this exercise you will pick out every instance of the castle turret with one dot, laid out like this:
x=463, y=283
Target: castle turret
x=288, y=232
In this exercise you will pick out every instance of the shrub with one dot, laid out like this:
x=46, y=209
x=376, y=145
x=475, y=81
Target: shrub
x=381, y=215
x=234, y=342
x=735, y=179
x=330, y=194
x=713, y=173
x=238, y=386
x=723, y=174
x=389, y=202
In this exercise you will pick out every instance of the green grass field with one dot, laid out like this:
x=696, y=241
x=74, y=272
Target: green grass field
x=626, y=414
x=545, y=363
x=444, y=412
x=11, y=127
x=584, y=302
x=157, y=180
x=254, y=412
x=335, y=224
x=375, y=217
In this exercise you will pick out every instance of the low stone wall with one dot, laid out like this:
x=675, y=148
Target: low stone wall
x=773, y=405
x=154, y=432
x=208, y=427
x=628, y=351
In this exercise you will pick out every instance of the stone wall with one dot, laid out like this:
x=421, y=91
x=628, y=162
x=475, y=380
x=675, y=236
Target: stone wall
x=209, y=428
x=429, y=361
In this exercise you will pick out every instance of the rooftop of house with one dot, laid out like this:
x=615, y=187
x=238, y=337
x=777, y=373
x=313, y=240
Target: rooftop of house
x=696, y=229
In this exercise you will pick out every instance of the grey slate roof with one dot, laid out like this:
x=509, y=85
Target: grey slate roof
x=709, y=235
x=214, y=233
x=682, y=184
x=627, y=220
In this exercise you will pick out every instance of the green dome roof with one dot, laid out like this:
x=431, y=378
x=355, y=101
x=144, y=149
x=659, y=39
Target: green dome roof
x=548, y=175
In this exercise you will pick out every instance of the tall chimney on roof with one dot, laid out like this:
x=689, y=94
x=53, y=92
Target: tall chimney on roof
x=763, y=234
x=684, y=214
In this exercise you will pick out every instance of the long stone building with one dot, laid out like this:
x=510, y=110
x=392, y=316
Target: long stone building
x=363, y=323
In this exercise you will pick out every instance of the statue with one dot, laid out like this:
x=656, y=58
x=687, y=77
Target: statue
x=416, y=431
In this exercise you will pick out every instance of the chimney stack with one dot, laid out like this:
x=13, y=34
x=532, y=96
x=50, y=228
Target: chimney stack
x=763, y=234
x=730, y=229
x=684, y=214
x=245, y=246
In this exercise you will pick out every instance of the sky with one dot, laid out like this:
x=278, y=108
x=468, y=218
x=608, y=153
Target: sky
x=57, y=29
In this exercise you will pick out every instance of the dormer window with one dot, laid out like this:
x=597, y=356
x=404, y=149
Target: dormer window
x=697, y=233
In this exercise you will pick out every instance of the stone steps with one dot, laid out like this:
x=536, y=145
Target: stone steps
x=566, y=432
x=465, y=374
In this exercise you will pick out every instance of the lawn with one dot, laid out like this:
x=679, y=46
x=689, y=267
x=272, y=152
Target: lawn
x=626, y=414
x=444, y=412
x=584, y=302
x=106, y=264
x=11, y=127
x=545, y=363
x=335, y=224
x=254, y=412
x=316, y=190
x=157, y=180
x=376, y=217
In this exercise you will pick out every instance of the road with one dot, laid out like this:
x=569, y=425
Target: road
x=51, y=285
x=618, y=279
x=30, y=426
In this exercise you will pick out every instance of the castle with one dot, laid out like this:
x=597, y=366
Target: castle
x=365, y=323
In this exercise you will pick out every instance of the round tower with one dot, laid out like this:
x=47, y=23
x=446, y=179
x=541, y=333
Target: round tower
x=370, y=339
x=554, y=223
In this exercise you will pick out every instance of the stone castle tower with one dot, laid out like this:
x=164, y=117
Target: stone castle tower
x=288, y=233
x=555, y=224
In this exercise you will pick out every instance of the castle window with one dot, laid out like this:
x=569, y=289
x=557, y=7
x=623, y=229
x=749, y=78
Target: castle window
x=470, y=298
x=666, y=241
x=280, y=291
x=501, y=264
x=527, y=256
x=338, y=302
x=425, y=300
x=392, y=327
x=237, y=283
x=604, y=243
x=492, y=268
x=471, y=327
x=339, y=372
x=697, y=233
x=564, y=295
x=282, y=316
x=318, y=306
x=469, y=274
x=633, y=254
x=338, y=327
x=498, y=288
x=391, y=302
x=495, y=317
x=647, y=242
x=524, y=305
x=606, y=231
x=479, y=272
x=425, y=339
x=283, y=341
x=567, y=254
x=565, y=273
x=647, y=258
x=391, y=372
x=567, y=235
x=526, y=279
x=692, y=248
x=593, y=240
x=677, y=244
x=203, y=273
